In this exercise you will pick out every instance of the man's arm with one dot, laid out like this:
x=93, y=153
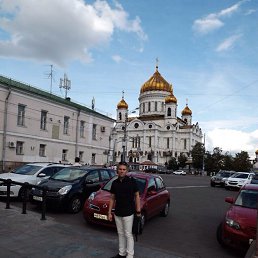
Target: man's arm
x=111, y=204
x=137, y=203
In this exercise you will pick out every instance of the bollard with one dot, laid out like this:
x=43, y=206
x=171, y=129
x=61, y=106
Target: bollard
x=44, y=196
x=8, y=192
x=24, y=194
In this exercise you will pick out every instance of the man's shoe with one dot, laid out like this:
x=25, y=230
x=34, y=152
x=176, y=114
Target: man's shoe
x=118, y=256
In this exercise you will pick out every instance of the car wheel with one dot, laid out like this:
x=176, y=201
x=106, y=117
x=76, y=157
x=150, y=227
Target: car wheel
x=75, y=204
x=219, y=235
x=165, y=211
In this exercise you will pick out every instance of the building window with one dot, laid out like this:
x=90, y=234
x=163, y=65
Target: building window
x=143, y=107
x=81, y=155
x=94, y=132
x=64, y=155
x=185, y=143
x=82, y=127
x=149, y=106
x=21, y=115
x=19, y=148
x=169, y=112
x=93, y=158
x=66, y=124
x=149, y=141
x=43, y=120
x=120, y=116
x=156, y=105
x=42, y=150
x=167, y=143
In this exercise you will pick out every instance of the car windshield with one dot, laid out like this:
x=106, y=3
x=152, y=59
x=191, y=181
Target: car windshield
x=69, y=174
x=141, y=182
x=247, y=199
x=240, y=175
x=224, y=174
x=27, y=170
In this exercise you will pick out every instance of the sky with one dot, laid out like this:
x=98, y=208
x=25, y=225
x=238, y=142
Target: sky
x=208, y=51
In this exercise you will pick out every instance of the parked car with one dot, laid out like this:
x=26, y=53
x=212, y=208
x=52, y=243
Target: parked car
x=179, y=172
x=220, y=177
x=70, y=187
x=155, y=199
x=31, y=173
x=238, y=227
x=238, y=179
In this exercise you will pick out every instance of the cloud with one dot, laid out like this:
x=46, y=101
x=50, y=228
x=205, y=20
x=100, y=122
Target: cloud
x=62, y=30
x=213, y=21
x=250, y=11
x=117, y=58
x=228, y=43
x=233, y=141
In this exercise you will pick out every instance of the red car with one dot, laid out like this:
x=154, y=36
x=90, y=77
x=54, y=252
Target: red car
x=155, y=199
x=238, y=228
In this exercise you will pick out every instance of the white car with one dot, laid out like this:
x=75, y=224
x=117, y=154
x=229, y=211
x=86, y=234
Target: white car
x=238, y=179
x=179, y=172
x=31, y=173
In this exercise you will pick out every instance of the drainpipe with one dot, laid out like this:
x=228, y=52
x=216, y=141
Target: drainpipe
x=77, y=133
x=5, y=126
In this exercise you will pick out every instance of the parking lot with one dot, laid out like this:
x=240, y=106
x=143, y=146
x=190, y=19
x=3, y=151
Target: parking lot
x=190, y=229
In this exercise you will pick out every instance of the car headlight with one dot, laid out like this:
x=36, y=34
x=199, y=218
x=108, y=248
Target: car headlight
x=92, y=196
x=233, y=224
x=64, y=190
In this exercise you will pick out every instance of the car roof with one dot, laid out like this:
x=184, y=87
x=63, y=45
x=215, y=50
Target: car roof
x=46, y=164
x=250, y=187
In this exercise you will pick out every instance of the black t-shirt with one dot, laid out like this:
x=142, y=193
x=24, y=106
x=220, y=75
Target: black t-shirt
x=124, y=192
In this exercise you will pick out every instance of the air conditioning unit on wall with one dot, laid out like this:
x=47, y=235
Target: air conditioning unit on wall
x=102, y=129
x=12, y=145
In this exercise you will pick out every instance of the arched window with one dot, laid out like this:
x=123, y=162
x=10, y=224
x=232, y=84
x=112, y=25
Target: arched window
x=169, y=112
x=149, y=106
x=120, y=116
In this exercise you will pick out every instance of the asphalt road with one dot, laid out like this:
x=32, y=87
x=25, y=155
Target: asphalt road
x=190, y=228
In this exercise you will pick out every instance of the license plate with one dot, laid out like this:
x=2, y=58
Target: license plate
x=100, y=216
x=37, y=198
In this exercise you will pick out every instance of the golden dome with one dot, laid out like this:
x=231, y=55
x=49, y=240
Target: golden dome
x=256, y=152
x=171, y=98
x=186, y=111
x=122, y=104
x=157, y=83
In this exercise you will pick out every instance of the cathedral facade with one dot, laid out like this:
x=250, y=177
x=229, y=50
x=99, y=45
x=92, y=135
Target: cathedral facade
x=157, y=134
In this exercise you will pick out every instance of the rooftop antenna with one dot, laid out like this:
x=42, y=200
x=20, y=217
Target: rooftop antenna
x=66, y=84
x=50, y=76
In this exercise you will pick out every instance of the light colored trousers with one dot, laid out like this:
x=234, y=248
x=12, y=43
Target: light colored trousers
x=125, y=237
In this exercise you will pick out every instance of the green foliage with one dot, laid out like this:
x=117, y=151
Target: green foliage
x=198, y=155
x=182, y=160
x=172, y=164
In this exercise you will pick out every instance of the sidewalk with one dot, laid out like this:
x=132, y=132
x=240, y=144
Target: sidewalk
x=26, y=236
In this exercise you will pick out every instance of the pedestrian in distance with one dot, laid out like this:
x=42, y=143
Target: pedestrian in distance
x=77, y=162
x=126, y=198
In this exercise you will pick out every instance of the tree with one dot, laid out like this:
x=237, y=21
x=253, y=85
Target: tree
x=182, y=160
x=198, y=155
x=172, y=164
x=217, y=158
x=242, y=162
x=227, y=162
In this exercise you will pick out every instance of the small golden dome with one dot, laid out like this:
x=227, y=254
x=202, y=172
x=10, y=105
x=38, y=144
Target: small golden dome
x=156, y=83
x=171, y=98
x=256, y=152
x=186, y=111
x=122, y=104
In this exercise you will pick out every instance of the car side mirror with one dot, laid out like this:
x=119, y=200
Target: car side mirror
x=152, y=192
x=229, y=199
x=41, y=175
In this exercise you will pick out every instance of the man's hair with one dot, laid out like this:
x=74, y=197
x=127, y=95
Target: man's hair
x=123, y=163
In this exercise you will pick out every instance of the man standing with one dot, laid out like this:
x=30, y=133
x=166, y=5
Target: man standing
x=125, y=195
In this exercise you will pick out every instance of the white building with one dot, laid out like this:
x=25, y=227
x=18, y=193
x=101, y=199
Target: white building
x=36, y=126
x=157, y=134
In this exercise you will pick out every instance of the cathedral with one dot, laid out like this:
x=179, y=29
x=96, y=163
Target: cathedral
x=157, y=134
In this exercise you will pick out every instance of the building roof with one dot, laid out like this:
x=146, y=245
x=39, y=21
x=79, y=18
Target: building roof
x=13, y=84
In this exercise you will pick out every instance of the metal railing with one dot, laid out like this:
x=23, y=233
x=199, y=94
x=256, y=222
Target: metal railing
x=25, y=196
